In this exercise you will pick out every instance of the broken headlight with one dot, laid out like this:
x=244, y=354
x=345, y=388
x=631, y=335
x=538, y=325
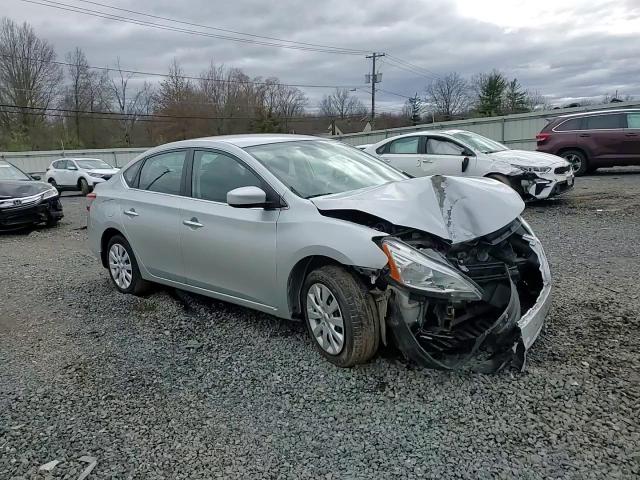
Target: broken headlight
x=527, y=168
x=50, y=193
x=415, y=269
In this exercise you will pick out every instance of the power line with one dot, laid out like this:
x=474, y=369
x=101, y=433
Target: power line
x=110, y=115
x=145, y=23
x=414, y=66
x=184, y=77
x=393, y=63
x=235, y=32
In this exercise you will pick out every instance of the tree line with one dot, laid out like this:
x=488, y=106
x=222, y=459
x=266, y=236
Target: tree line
x=46, y=103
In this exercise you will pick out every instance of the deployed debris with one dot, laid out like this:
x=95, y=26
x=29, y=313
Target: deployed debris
x=47, y=467
x=92, y=461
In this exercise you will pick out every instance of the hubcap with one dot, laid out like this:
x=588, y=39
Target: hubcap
x=574, y=160
x=325, y=319
x=120, y=266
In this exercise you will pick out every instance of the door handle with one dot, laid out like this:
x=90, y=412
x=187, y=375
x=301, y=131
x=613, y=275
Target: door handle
x=192, y=223
x=631, y=134
x=131, y=212
x=584, y=135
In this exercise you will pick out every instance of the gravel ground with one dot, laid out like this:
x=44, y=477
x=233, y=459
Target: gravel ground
x=185, y=388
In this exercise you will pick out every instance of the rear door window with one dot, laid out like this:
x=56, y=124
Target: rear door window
x=441, y=146
x=163, y=173
x=605, y=122
x=403, y=146
x=131, y=173
x=633, y=120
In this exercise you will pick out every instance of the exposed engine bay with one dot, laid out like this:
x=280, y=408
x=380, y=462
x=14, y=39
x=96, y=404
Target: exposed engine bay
x=444, y=333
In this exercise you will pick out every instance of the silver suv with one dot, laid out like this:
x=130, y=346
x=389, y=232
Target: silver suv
x=311, y=229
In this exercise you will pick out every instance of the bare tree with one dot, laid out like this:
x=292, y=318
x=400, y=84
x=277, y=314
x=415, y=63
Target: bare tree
x=29, y=80
x=342, y=104
x=448, y=95
x=129, y=103
x=78, y=95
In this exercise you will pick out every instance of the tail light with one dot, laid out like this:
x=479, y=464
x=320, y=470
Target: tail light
x=542, y=137
x=90, y=198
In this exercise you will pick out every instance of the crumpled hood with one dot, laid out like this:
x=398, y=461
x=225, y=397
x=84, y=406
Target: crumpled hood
x=21, y=188
x=453, y=208
x=525, y=157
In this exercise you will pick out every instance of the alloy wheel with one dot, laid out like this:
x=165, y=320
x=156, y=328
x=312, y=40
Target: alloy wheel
x=325, y=319
x=120, y=266
x=574, y=160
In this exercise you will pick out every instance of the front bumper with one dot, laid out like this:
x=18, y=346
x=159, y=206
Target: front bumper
x=16, y=217
x=539, y=186
x=496, y=343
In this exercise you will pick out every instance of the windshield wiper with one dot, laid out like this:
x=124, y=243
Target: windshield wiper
x=319, y=195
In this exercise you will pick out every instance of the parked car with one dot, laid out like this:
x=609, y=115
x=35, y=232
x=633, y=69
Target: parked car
x=25, y=200
x=78, y=173
x=534, y=175
x=312, y=229
x=591, y=140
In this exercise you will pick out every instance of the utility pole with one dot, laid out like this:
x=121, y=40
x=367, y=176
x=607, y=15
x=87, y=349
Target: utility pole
x=375, y=78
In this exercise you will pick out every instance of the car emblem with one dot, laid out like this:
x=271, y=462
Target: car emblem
x=17, y=202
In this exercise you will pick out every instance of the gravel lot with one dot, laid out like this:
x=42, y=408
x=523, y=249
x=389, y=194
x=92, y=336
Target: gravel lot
x=180, y=387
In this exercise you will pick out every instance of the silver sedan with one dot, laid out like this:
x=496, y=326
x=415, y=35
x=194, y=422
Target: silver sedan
x=310, y=229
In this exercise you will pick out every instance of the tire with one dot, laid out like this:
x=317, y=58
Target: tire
x=356, y=309
x=52, y=222
x=132, y=283
x=578, y=161
x=84, y=186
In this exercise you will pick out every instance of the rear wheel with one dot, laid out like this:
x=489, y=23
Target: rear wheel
x=578, y=161
x=123, y=267
x=84, y=186
x=53, y=183
x=340, y=316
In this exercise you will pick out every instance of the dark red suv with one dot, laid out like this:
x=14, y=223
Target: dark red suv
x=592, y=140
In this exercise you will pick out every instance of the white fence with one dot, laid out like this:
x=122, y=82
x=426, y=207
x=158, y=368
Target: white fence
x=38, y=161
x=516, y=131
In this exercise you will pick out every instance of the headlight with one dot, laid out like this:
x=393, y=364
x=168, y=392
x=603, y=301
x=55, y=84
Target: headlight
x=417, y=270
x=98, y=175
x=527, y=168
x=52, y=192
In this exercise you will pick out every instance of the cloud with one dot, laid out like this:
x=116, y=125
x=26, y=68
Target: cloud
x=561, y=49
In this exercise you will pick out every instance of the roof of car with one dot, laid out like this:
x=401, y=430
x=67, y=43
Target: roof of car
x=75, y=158
x=597, y=112
x=250, y=140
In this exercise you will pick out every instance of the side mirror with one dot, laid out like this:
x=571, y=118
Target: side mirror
x=247, y=197
x=465, y=164
x=36, y=177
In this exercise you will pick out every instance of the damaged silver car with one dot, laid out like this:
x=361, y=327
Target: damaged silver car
x=311, y=229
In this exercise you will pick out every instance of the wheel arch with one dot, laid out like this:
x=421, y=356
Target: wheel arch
x=107, y=235
x=582, y=150
x=299, y=273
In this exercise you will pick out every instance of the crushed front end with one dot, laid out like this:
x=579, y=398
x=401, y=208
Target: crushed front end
x=477, y=305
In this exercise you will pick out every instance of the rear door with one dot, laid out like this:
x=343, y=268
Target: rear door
x=603, y=136
x=151, y=213
x=61, y=174
x=631, y=147
x=404, y=153
x=227, y=250
x=445, y=157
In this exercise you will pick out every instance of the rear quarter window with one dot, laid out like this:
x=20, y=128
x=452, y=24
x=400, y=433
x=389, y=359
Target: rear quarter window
x=569, y=125
x=130, y=175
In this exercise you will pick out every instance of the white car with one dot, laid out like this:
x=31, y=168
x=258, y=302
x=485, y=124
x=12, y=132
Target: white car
x=78, y=173
x=534, y=175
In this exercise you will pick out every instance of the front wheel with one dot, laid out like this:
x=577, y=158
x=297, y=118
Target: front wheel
x=84, y=186
x=340, y=316
x=123, y=267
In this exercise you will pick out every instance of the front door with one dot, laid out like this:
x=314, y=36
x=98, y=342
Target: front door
x=227, y=250
x=151, y=214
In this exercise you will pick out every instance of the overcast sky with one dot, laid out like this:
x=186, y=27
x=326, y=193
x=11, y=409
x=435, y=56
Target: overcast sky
x=565, y=49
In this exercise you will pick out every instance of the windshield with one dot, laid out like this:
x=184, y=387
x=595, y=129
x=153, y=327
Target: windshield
x=89, y=164
x=9, y=172
x=311, y=168
x=478, y=142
